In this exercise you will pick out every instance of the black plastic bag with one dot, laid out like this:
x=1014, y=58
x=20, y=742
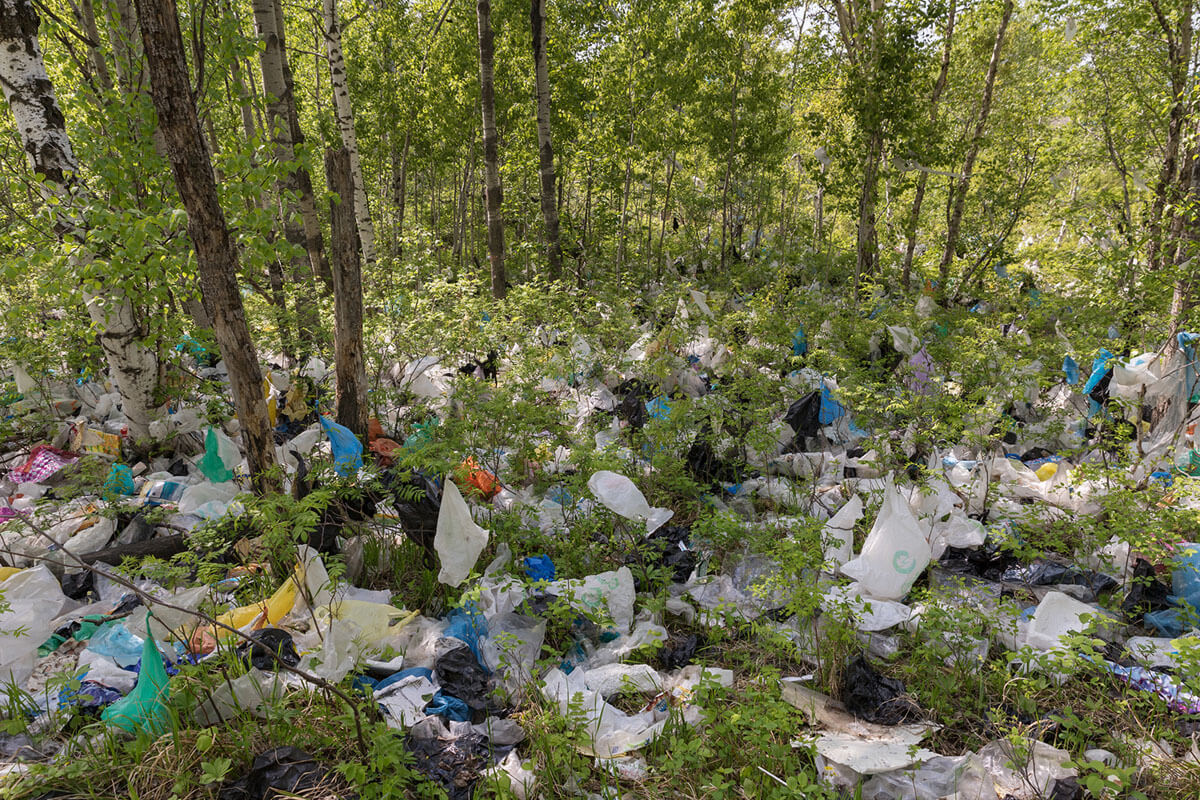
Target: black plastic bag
x=453, y=764
x=1051, y=573
x=266, y=642
x=804, y=415
x=871, y=696
x=459, y=674
x=678, y=651
x=288, y=769
x=632, y=396
x=1147, y=594
x=418, y=501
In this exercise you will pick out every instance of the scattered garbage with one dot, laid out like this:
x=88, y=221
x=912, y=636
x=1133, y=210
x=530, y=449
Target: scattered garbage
x=948, y=532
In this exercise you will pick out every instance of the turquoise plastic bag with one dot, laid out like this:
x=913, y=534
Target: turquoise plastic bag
x=119, y=482
x=212, y=465
x=347, y=449
x=145, y=708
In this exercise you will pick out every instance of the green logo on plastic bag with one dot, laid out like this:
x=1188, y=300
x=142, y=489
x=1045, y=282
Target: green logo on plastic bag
x=903, y=563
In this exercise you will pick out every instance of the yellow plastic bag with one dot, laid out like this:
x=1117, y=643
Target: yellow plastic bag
x=1046, y=471
x=271, y=610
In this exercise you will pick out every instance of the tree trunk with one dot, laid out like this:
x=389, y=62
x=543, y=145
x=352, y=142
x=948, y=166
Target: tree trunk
x=279, y=98
x=1186, y=229
x=491, y=149
x=662, y=222
x=43, y=132
x=726, y=223
x=1179, y=57
x=216, y=255
x=625, y=192
x=541, y=69
x=345, y=120
x=914, y=216
x=306, y=201
x=347, y=295
x=964, y=181
x=400, y=189
x=867, y=251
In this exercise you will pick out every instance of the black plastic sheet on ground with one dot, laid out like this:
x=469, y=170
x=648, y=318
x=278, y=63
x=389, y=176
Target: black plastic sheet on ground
x=874, y=697
x=454, y=764
x=282, y=770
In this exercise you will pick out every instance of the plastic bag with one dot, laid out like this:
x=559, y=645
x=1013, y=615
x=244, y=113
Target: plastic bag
x=34, y=598
x=119, y=482
x=1057, y=616
x=347, y=449
x=839, y=533
x=145, y=708
x=458, y=540
x=622, y=497
x=220, y=458
x=895, y=552
x=208, y=500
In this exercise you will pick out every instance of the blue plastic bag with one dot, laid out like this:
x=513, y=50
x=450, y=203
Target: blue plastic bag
x=659, y=408
x=449, y=707
x=1071, y=370
x=467, y=625
x=119, y=482
x=539, y=568
x=830, y=409
x=799, y=342
x=347, y=449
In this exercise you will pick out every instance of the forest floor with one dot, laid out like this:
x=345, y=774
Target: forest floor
x=727, y=549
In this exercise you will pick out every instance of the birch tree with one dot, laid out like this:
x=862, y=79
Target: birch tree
x=344, y=112
x=43, y=132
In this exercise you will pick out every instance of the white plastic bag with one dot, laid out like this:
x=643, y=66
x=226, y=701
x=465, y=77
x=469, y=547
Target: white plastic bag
x=622, y=497
x=458, y=540
x=838, y=533
x=895, y=552
x=208, y=500
x=34, y=598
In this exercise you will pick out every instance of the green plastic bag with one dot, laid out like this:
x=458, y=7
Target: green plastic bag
x=145, y=708
x=212, y=465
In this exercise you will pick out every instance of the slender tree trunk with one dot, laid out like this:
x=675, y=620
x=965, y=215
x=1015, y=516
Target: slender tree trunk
x=344, y=112
x=491, y=149
x=216, y=254
x=306, y=201
x=541, y=69
x=400, y=189
x=40, y=124
x=347, y=295
x=914, y=216
x=1186, y=230
x=1179, y=58
x=666, y=209
x=625, y=191
x=867, y=250
x=964, y=182
x=279, y=99
x=726, y=223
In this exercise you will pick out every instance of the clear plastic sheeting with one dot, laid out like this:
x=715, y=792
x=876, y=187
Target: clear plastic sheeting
x=1028, y=771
